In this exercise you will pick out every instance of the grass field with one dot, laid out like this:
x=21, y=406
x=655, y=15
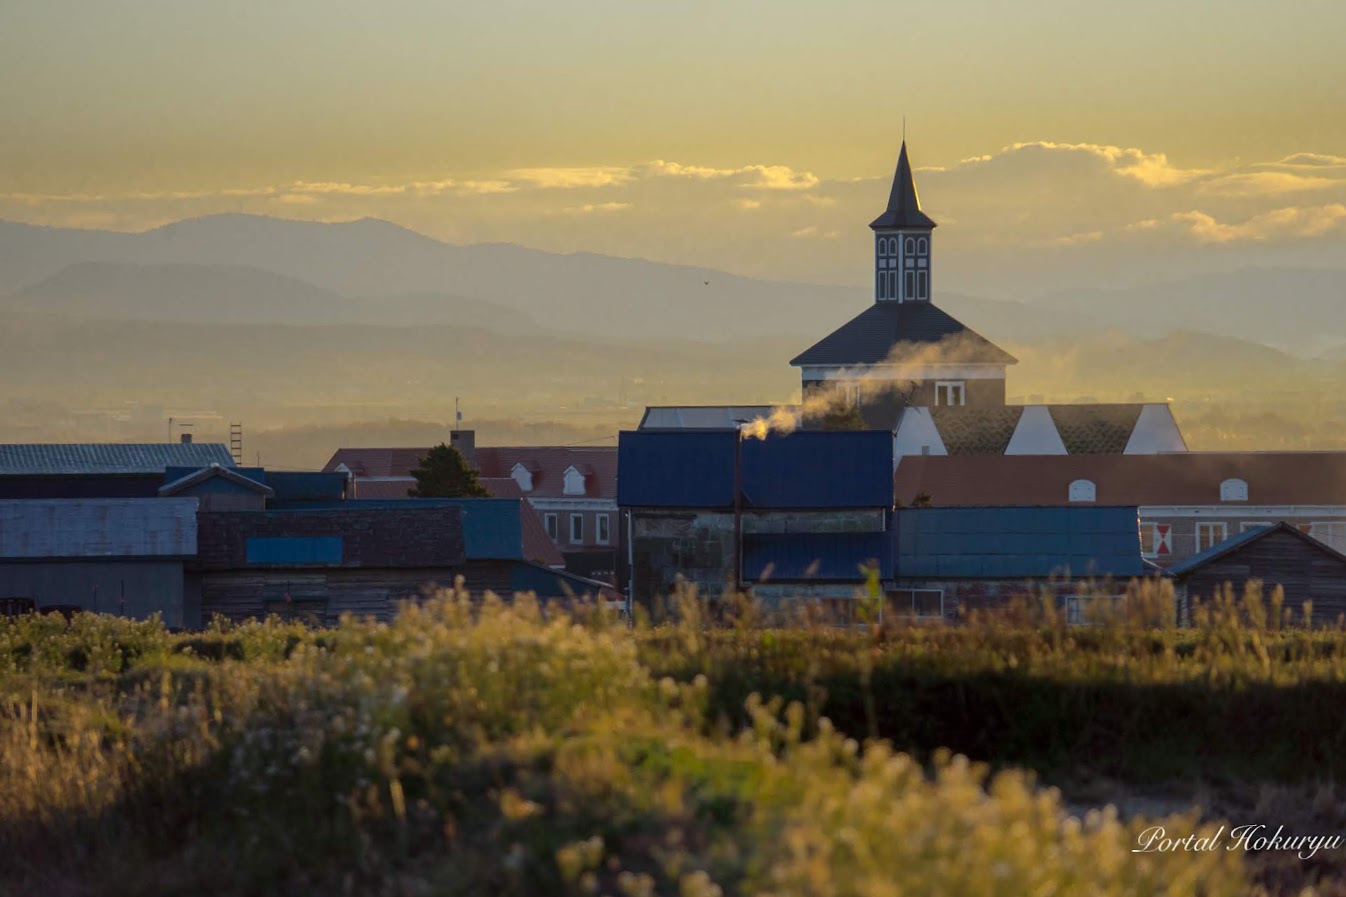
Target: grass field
x=486, y=748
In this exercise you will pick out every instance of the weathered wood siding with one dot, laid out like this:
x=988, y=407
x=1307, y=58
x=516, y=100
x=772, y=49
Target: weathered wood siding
x=1307, y=573
x=244, y=594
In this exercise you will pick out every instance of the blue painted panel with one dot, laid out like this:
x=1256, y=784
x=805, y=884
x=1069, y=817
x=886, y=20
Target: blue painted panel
x=805, y=469
x=294, y=550
x=838, y=556
x=1016, y=542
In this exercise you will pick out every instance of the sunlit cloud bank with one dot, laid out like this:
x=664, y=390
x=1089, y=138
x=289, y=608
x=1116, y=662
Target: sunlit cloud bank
x=1005, y=214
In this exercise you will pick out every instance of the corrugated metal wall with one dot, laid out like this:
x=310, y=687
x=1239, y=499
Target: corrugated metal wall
x=148, y=586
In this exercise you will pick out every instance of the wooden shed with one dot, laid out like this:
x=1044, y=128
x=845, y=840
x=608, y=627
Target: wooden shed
x=1305, y=568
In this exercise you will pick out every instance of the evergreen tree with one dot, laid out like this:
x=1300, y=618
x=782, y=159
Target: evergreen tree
x=444, y=473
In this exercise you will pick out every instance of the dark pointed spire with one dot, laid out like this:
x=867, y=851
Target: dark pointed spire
x=904, y=206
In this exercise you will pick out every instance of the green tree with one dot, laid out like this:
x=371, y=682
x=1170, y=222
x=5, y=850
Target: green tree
x=444, y=473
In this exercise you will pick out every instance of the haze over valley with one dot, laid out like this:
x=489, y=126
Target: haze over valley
x=318, y=335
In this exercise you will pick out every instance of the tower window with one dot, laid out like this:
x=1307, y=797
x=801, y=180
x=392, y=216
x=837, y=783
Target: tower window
x=923, y=247
x=892, y=284
x=950, y=392
x=878, y=288
x=911, y=246
x=922, y=284
x=911, y=284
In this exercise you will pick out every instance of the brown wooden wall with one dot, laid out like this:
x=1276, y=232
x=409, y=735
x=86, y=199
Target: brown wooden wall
x=240, y=595
x=1307, y=573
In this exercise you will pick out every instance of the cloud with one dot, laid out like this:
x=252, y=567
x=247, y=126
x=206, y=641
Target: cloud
x=1264, y=183
x=1092, y=236
x=1305, y=221
x=1314, y=160
x=748, y=203
x=761, y=177
x=570, y=178
x=591, y=207
x=1150, y=169
x=815, y=232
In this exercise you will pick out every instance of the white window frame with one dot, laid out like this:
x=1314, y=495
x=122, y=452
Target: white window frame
x=1082, y=492
x=911, y=247
x=1210, y=527
x=922, y=283
x=945, y=391
x=553, y=526
x=576, y=526
x=602, y=529
x=922, y=247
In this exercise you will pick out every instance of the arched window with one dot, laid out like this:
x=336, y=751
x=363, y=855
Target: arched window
x=911, y=246
x=1234, y=490
x=923, y=247
x=1083, y=490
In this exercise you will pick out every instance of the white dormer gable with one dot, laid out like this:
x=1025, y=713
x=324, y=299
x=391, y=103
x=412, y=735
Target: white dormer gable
x=1155, y=431
x=523, y=476
x=574, y=481
x=1234, y=490
x=916, y=434
x=1036, y=434
x=1083, y=490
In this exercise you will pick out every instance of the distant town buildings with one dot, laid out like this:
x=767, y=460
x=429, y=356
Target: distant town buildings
x=903, y=470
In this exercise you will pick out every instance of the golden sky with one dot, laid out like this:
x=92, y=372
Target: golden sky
x=753, y=136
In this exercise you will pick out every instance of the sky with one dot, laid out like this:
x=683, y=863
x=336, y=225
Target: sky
x=1055, y=142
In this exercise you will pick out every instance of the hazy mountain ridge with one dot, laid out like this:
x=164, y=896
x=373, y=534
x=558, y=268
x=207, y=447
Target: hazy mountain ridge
x=232, y=294
x=610, y=298
x=1303, y=309
x=603, y=296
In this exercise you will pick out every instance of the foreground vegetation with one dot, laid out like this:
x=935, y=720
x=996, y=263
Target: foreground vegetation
x=494, y=749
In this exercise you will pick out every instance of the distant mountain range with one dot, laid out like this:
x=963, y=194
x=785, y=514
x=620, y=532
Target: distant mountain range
x=249, y=269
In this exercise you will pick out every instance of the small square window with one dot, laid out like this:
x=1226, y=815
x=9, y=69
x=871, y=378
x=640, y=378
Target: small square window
x=950, y=392
x=1209, y=535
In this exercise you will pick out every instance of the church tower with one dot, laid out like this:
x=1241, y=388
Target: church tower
x=902, y=241
x=903, y=351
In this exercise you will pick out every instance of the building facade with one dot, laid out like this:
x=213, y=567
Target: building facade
x=1188, y=502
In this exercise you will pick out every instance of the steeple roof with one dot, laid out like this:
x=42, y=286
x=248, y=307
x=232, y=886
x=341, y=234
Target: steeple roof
x=904, y=206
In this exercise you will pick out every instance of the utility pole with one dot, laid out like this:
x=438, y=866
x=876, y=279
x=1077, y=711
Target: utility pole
x=738, y=504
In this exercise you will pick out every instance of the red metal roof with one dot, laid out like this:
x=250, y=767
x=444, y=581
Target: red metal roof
x=549, y=464
x=537, y=545
x=377, y=462
x=1180, y=478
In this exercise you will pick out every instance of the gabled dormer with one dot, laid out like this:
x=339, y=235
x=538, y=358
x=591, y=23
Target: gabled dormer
x=902, y=240
x=523, y=475
x=575, y=481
